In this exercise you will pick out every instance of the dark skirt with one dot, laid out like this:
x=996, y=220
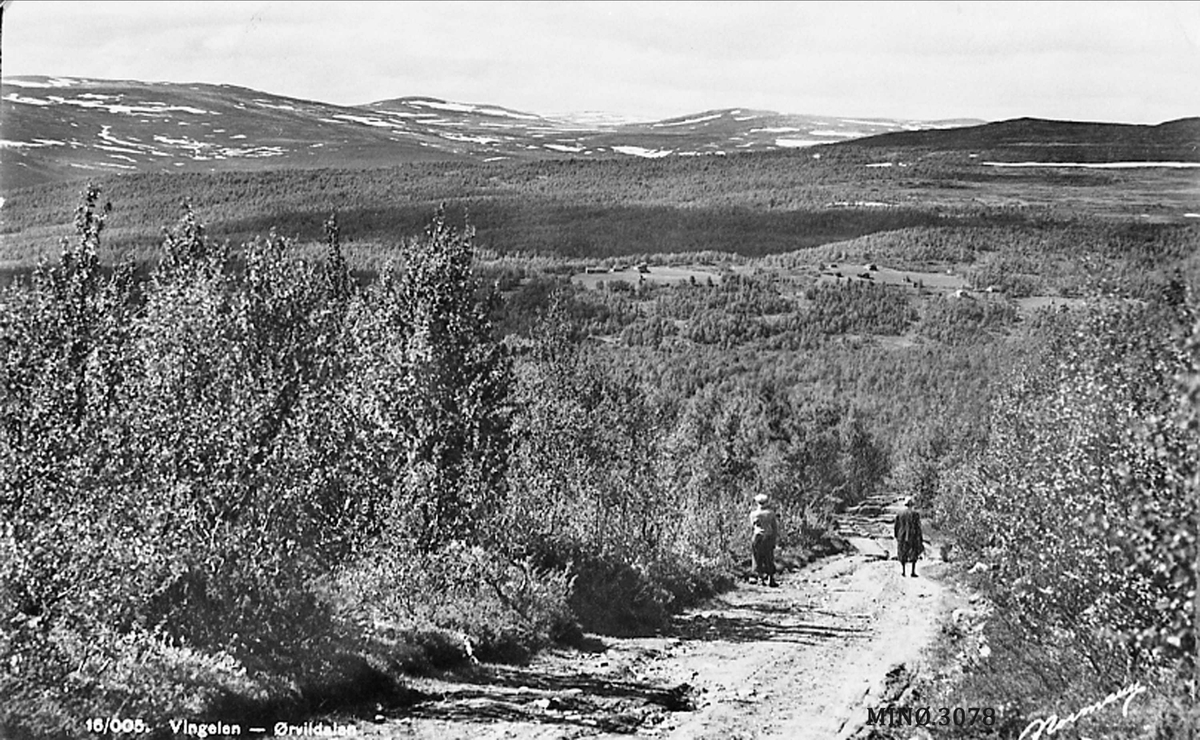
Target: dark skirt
x=763, y=549
x=909, y=540
x=907, y=551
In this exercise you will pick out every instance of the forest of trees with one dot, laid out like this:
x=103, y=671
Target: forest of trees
x=225, y=469
x=248, y=458
x=748, y=204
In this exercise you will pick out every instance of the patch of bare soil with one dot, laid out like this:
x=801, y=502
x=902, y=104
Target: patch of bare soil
x=803, y=660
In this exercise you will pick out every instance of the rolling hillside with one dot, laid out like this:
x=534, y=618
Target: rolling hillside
x=55, y=129
x=1033, y=139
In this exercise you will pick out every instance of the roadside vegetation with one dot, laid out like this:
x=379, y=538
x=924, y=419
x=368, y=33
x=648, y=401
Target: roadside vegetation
x=248, y=483
x=1081, y=509
x=249, y=473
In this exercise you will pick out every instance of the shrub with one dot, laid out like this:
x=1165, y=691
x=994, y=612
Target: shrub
x=859, y=309
x=179, y=465
x=1083, y=501
x=497, y=608
x=959, y=321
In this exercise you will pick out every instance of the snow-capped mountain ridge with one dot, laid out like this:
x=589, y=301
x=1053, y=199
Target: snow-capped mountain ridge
x=55, y=128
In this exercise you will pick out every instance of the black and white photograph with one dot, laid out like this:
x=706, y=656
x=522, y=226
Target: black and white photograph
x=591, y=370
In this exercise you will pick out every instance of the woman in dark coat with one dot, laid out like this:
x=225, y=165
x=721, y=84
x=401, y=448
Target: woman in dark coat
x=909, y=541
x=765, y=522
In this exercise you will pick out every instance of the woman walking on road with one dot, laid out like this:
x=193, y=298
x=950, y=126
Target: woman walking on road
x=909, y=541
x=762, y=545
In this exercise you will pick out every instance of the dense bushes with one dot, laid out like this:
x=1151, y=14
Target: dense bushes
x=859, y=309
x=249, y=458
x=1084, y=502
x=959, y=320
x=217, y=480
x=181, y=465
x=631, y=482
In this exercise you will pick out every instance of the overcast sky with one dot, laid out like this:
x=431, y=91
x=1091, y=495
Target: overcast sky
x=1136, y=62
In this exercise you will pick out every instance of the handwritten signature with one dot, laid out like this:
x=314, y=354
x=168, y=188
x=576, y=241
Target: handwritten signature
x=1052, y=724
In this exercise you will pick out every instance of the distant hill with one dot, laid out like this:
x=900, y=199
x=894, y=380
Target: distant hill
x=1033, y=139
x=54, y=129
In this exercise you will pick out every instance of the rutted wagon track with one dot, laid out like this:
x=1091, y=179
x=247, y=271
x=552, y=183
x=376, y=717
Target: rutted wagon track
x=803, y=660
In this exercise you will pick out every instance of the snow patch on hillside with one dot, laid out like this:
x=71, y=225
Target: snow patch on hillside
x=275, y=106
x=639, y=151
x=365, y=120
x=50, y=82
x=506, y=113
x=106, y=136
x=18, y=98
x=701, y=119
x=834, y=132
x=25, y=83
x=797, y=143
x=91, y=101
x=456, y=107
x=588, y=119
x=255, y=152
x=35, y=144
x=472, y=139
x=923, y=125
x=122, y=149
x=1098, y=165
x=202, y=151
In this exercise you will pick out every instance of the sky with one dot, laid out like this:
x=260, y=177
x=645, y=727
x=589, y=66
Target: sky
x=1131, y=62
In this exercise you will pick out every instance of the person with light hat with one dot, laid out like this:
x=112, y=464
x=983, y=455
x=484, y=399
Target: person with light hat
x=765, y=521
x=909, y=540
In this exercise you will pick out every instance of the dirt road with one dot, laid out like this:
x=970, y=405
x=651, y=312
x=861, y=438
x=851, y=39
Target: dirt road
x=803, y=660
